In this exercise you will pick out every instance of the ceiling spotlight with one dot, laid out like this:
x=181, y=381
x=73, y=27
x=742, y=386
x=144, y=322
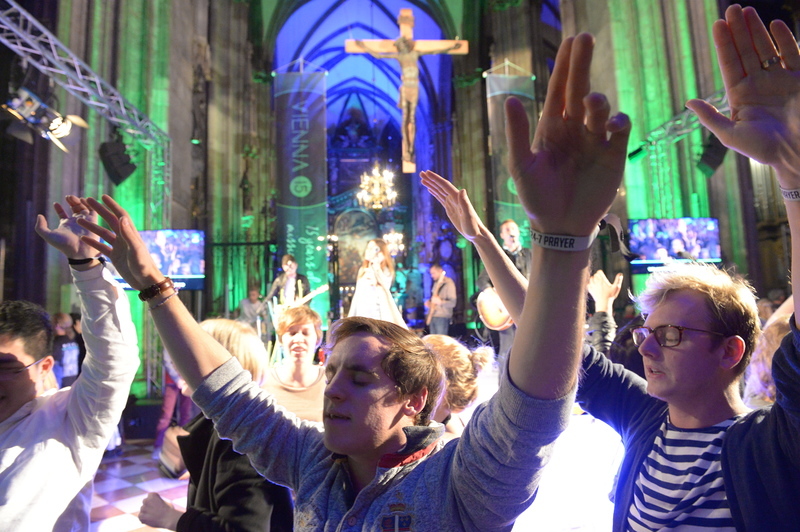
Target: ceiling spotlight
x=31, y=112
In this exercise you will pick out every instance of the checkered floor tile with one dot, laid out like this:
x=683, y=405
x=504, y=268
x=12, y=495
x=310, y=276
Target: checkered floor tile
x=123, y=481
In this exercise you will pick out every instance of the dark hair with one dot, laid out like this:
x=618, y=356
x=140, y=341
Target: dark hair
x=30, y=323
x=408, y=362
x=286, y=259
x=624, y=351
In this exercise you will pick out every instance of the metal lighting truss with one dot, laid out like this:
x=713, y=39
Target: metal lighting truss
x=657, y=142
x=678, y=127
x=29, y=39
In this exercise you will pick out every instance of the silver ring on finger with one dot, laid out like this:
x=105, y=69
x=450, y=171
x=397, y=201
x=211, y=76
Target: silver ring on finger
x=774, y=60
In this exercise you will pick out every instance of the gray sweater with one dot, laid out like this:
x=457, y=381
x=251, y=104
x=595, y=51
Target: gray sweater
x=481, y=481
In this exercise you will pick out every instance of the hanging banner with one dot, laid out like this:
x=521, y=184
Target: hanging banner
x=498, y=88
x=301, y=149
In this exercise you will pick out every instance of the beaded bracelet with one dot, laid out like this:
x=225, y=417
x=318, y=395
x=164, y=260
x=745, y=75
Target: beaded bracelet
x=173, y=294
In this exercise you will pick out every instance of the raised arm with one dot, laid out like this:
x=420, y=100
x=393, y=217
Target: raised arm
x=66, y=237
x=762, y=80
x=603, y=291
x=195, y=353
x=510, y=284
x=100, y=393
x=566, y=180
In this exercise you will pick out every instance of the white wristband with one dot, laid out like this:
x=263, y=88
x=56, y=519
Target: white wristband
x=564, y=242
x=791, y=195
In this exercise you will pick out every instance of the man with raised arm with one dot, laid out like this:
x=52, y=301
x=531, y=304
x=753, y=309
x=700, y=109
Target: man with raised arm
x=379, y=463
x=51, y=441
x=696, y=456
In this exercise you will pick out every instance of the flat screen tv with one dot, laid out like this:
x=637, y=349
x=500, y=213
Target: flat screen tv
x=179, y=254
x=663, y=242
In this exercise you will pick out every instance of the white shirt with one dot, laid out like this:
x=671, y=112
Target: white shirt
x=51, y=447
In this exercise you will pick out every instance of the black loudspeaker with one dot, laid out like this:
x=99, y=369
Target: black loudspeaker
x=713, y=154
x=140, y=418
x=117, y=163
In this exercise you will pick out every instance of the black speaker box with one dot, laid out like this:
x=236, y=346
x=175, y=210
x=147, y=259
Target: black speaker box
x=116, y=162
x=140, y=418
x=712, y=156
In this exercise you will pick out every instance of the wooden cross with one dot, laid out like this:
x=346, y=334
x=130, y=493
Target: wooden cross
x=407, y=51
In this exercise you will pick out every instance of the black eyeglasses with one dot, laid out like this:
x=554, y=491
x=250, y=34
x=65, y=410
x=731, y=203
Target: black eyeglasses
x=666, y=335
x=6, y=375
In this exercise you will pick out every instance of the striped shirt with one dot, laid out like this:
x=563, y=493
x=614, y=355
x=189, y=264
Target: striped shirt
x=680, y=486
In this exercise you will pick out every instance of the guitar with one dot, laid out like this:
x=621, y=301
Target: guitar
x=492, y=312
x=431, y=305
x=276, y=310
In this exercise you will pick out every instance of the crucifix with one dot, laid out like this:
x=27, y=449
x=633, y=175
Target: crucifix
x=407, y=52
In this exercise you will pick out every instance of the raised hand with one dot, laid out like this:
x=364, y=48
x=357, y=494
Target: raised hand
x=568, y=178
x=603, y=291
x=763, y=87
x=125, y=247
x=456, y=203
x=67, y=236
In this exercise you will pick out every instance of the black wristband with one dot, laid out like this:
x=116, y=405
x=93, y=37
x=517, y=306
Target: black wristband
x=78, y=262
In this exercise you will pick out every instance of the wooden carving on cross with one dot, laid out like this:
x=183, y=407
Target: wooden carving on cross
x=407, y=52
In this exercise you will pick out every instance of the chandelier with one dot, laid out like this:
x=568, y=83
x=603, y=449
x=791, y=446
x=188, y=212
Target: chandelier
x=377, y=189
x=394, y=242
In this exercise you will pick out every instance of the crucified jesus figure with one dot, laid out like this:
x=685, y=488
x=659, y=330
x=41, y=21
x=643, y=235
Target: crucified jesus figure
x=407, y=52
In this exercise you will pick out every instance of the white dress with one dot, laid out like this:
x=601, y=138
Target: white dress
x=372, y=297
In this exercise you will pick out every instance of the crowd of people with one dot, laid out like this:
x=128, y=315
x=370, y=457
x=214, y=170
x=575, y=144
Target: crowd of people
x=379, y=445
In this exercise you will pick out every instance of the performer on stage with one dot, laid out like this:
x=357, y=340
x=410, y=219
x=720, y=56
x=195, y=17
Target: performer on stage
x=373, y=295
x=286, y=290
x=442, y=301
x=253, y=309
x=521, y=257
x=290, y=285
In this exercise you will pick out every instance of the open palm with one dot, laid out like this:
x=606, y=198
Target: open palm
x=66, y=237
x=568, y=178
x=455, y=202
x=765, y=102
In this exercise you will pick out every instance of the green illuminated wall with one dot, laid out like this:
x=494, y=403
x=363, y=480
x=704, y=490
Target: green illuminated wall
x=140, y=72
x=663, y=56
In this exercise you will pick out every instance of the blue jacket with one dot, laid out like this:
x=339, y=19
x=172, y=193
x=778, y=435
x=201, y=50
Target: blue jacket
x=760, y=452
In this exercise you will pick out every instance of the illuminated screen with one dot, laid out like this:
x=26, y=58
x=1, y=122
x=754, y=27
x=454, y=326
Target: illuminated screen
x=661, y=242
x=179, y=254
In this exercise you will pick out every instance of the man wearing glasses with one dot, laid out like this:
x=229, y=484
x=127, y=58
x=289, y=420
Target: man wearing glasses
x=700, y=329
x=696, y=458
x=51, y=441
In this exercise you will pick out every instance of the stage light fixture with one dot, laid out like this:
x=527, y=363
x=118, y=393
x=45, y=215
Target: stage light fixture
x=33, y=114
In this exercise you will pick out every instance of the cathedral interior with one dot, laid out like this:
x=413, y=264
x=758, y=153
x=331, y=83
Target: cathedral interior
x=252, y=122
